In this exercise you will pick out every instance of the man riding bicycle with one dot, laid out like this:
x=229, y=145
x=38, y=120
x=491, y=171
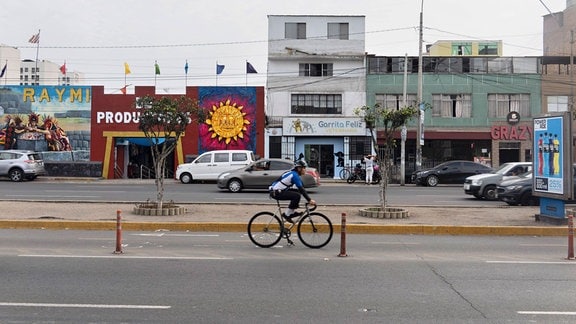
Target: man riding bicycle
x=281, y=190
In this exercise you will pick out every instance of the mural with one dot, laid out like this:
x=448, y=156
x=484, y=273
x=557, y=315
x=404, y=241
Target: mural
x=230, y=119
x=48, y=111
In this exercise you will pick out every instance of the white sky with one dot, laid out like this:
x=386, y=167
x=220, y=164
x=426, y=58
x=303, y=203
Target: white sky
x=97, y=36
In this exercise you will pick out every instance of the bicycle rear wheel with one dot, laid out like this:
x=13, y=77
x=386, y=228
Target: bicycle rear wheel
x=265, y=229
x=344, y=174
x=315, y=230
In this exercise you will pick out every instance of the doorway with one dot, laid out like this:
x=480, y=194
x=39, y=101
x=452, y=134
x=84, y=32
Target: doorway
x=321, y=157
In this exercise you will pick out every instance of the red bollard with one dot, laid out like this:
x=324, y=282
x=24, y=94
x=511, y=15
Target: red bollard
x=343, y=237
x=570, y=236
x=118, y=232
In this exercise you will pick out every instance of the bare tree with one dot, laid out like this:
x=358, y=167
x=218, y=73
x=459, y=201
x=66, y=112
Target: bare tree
x=163, y=121
x=389, y=121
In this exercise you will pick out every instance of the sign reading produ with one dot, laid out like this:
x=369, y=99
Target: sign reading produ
x=552, y=156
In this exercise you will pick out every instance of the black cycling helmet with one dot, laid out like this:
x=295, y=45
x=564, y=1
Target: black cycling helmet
x=300, y=163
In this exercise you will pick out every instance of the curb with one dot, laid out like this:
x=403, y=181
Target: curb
x=241, y=227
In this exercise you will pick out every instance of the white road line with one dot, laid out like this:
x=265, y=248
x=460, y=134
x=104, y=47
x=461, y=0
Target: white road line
x=58, y=196
x=119, y=256
x=567, y=262
x=546, y=313
x=396, y=243
x=84, y=306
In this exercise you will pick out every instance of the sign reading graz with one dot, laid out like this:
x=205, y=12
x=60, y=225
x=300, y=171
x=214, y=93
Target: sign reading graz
x=515, y=132
x=47, y=94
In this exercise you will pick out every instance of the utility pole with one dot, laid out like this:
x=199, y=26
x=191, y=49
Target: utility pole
x=419, y=130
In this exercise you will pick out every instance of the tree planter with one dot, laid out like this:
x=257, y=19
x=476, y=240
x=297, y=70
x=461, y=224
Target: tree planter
x=388, y=212
x=151, y=209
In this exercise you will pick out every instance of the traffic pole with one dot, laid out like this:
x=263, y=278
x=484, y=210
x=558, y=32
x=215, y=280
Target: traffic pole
x=118, y=232
x=343, y=236
x=571, y=235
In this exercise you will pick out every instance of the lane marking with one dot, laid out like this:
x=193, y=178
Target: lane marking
x=84, y=305
x=567, y=262
x=59, y=196
x=546, y=313
x=119, y=256
x=396, y=243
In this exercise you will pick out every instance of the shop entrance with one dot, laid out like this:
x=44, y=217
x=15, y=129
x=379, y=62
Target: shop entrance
x=509, y=152
x=321, y=157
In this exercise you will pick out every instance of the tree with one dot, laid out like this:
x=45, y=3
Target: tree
x=390, y=120
x=163, y=121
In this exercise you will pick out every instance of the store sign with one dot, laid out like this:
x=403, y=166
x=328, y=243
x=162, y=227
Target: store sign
x=324, y=126
x=515, y=132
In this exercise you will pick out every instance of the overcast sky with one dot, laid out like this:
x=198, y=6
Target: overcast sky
x=96, y=37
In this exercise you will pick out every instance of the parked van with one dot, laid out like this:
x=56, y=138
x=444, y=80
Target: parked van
x=209, y=165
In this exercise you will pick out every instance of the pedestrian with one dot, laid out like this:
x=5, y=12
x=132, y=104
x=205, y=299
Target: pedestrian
x=369, y=161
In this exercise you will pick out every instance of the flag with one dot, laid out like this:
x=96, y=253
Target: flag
x=123, y=90
x=4, y=70
x=219, y=68
x=157, y=68
x=35, y=39
x=186, y=67
x=63, y=68
x=127, y=68
x=250, y=68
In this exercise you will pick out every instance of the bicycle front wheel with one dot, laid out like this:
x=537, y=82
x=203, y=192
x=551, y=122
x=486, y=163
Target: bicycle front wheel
x=265, y=229
x=315, y=230
x=344, y=174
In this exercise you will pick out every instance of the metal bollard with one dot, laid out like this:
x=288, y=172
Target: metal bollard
x=118, y=232
x=343, y=237
x=571, y=235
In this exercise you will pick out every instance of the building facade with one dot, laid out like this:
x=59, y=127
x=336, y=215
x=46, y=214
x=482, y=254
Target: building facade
x=316, y=78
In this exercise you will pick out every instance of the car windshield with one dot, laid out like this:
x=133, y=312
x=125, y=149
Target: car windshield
x=503, y=169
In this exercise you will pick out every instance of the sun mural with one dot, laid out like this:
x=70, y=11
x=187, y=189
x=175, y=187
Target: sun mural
x=227, y=122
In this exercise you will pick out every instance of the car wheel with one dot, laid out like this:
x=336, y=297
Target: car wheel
x=16, y=175
x=432, y=181
x=490, y=193
x=186, y=178
x=235, y=185
x=528, y=200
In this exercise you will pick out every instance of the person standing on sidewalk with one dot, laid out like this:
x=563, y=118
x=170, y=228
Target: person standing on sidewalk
x=369, y=161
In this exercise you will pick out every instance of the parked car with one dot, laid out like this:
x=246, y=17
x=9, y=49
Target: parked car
x=518, y=191
x=261, y=174
x=210, y=164
x=455, y=171
x=484, y=185
x=19, y=165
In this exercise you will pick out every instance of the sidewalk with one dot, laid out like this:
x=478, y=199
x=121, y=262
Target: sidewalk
x=234, y=217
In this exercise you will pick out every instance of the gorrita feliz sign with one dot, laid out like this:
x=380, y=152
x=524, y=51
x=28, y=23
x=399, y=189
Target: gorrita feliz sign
x=324, y=126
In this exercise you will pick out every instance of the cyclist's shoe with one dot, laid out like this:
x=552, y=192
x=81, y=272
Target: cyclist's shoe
x=290, y=219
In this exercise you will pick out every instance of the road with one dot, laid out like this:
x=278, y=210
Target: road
x=177, y=277
x=328, y=193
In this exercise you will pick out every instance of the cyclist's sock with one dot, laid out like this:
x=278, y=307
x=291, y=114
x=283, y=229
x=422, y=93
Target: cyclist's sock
x=289, y=212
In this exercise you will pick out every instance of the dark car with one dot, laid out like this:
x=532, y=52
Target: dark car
x=261, y=174
x=519, y=191
x=448, y=172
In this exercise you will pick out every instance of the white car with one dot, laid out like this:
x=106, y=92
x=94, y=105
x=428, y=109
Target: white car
x=210, y=164
x=483, y=186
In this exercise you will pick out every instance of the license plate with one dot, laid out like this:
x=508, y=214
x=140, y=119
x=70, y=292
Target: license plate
x=466, y=186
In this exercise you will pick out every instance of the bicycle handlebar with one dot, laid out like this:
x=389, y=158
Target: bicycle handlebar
x=311, y=209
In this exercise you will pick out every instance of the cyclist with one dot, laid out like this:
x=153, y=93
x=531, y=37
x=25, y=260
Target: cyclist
x=281, y=190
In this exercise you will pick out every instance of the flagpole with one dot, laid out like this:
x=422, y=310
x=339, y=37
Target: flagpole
x=246, y=85
x=37, y=50
x=186, y=75
x=6, y=74
x=216, y=73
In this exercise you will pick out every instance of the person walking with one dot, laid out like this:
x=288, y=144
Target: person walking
x=369, y=162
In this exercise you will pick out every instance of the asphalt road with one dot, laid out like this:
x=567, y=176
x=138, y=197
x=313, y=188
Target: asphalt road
x=182, y=277
x=138, y=191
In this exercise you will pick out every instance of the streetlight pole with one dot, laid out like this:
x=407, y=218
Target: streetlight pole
x=419, y=130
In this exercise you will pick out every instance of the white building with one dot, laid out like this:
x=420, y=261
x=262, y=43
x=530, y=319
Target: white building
x=30, y=72
x=316, y=78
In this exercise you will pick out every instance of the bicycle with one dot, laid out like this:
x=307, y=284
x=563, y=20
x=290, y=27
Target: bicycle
x=345, y=172
x=265, y=229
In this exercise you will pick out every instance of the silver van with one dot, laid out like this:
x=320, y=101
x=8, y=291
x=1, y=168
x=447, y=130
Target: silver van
x=209, y=165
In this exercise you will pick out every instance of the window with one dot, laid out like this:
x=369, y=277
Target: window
x=238, y=157
x=452, y=105
x=488, y=49
x=461, y=49
x=395, y=101
x=275, y=146
x=557, y=103
x=295, y=31
x=338, y=31
x=316, y=104
x=221, y=157
x=359, y=147
x=315, y=70
x=499, y=105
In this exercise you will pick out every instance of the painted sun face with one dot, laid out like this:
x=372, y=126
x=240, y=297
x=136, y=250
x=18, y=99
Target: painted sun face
x=227, y=122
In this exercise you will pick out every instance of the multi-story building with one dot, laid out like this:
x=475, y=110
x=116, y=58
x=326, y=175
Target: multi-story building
x=480, y=107
x=316, y=78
